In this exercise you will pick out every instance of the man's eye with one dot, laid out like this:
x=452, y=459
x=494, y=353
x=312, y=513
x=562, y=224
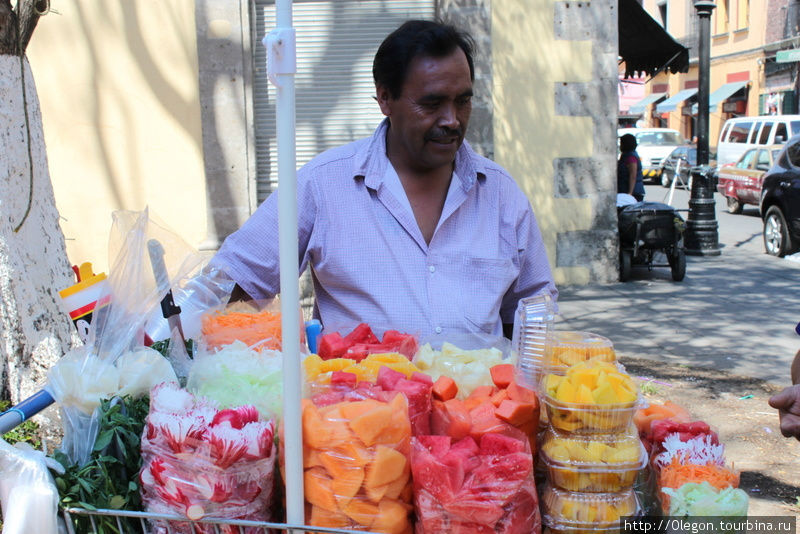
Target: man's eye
x=464, y=100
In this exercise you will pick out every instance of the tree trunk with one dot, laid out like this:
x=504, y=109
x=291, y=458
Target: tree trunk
x=17, y=24
x=34, y=331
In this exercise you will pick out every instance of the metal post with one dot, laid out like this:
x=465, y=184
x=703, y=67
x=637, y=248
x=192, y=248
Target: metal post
x=702, y=236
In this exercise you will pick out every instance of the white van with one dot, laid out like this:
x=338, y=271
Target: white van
x=653, y=145
x=742, y=133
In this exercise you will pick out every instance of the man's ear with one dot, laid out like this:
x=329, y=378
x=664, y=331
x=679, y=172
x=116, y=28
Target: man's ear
x=384, y=98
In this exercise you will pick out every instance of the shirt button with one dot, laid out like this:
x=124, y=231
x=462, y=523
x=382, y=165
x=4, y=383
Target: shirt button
x=438, y=329
x=431, y=268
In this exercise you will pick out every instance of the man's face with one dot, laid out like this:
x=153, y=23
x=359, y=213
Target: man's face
x=429, y=119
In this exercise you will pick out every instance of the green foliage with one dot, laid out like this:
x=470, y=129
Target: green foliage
x=648, y=389
x=110, y=479
x=28, y=431
x=163, y=347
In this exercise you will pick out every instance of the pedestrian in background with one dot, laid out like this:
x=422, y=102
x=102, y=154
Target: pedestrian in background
x=629, y=169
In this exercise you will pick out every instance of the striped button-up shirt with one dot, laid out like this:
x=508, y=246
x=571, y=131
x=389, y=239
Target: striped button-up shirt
x=370, y=262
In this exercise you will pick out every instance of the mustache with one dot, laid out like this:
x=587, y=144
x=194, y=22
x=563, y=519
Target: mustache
x=439, y=133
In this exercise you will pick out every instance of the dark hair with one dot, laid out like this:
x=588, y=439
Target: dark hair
x=627, y=143
x=413, y=39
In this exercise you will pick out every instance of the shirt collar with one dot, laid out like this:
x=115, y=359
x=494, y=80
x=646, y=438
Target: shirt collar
x=371, y=161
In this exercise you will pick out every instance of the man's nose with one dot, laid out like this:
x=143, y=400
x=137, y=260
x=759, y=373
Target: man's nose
x=449, y=116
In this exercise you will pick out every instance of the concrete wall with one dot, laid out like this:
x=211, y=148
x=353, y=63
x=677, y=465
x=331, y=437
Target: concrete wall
x=555, y=102
x=121, y=112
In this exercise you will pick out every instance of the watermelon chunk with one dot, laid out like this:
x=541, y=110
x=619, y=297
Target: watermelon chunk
x=388, y=378
x=405, y=344
x=361, y=334
x=436, y=445
x=500, y=445
x=416, y=376
x=331, y=346
x=345, y=379
x=419, y=404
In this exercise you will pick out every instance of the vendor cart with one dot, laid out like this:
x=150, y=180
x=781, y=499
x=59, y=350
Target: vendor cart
x=647, y=230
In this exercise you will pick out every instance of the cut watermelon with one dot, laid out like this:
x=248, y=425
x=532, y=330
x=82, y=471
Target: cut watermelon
x=388, y=378
x=331, y=346
x=345, y=379
x=419, y=404
x=436, y=445
x=361, y=334
x=500, y=445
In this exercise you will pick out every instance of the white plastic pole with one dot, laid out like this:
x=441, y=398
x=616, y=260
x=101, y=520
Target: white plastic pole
x=281, y=67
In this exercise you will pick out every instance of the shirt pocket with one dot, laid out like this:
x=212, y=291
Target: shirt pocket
x=490, y=279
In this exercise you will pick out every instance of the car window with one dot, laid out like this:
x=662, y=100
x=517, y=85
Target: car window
x=739, y=132
x=693, y=156
x=795, y=127
x=658, y=138
x=793, y=153
x=724, y=135
x=746, y=161
x=763, y=137
x=780, y=130
x=764, y=161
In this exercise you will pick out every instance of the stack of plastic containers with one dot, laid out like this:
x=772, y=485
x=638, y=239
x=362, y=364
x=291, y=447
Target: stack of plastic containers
x=591, y=452
x=533, y=320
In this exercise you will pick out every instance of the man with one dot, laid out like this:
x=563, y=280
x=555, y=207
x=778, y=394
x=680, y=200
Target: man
x=787, y=402
x=408, y=229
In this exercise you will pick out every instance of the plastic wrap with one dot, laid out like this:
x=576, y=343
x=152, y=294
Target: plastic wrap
x=702, y=499
x=593, y=462
x=87, y=374
x=235, y=374
x=27, y=490
x=474, y=486
x=318, y=370
x=199, y=461
x=592, y=397
x=465, y=359
x=356, y=446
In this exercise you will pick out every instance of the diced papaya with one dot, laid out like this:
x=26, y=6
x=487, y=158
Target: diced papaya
x=368, y=426
x=451, y=418
x=388, y=466
x=408, y=493
x=346, y=485
x=351, y=410
x=320, y=517
x=318, y=489
x=515, y=413
x=361, y=511
x=395, y=488
x=482, y=391
x=351, y=453
x=311, y=458
x=445, y=388
x=502, y=375
x=315, y=431
x=397, y=432
x=522, y=394
x=376, y=493
x=484, y=420
x=499, y=397
x=392, y=517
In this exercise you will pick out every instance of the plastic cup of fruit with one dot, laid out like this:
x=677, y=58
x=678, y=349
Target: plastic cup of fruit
x=589, y=513
x=593, y=462
x=565, y=348
x=589, y=418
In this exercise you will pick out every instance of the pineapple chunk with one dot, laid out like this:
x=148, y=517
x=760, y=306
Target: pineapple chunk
x=584, y=395
x=566, y=392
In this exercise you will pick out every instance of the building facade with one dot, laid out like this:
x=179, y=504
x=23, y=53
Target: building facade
x=753, y=70
x=167, y=106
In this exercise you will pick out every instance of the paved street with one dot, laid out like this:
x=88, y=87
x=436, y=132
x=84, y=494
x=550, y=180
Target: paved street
x=735, y=312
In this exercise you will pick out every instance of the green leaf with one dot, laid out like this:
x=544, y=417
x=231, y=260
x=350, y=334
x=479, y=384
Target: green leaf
x=86, y=505
x=133, y=486
x=103, y=440
x=117, y=502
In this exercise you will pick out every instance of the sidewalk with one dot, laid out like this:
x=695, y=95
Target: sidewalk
x=735, y=312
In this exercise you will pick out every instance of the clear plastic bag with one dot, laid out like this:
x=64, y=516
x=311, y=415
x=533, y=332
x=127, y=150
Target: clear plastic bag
x=198, y=461
x=27, y=490
x=255, y=323
x=356, y=470
x=87, y=374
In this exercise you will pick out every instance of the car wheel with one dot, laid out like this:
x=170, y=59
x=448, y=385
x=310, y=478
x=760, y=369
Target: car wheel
x=734, y=206
x=677, y=262
x=777, y=241
x=665, y=179
x=625, y=265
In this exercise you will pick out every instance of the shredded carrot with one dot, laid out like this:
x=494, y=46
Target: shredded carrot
x=677, y=474
x=261, y=330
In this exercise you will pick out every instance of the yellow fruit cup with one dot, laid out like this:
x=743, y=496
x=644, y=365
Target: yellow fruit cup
x=569, y=511
x=592, y=463
x=566, y=348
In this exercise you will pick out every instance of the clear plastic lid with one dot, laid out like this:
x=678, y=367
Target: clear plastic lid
x=597, y=452
x=566, y=348
x=533, y=319
x=569, y=510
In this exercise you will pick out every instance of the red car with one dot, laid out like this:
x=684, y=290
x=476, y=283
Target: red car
x=740, y=183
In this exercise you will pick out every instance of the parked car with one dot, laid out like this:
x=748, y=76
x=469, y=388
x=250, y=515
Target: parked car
x=740, y=134
x=780, y=201
x=679, y=163
x=653, y=145
x=740, y=183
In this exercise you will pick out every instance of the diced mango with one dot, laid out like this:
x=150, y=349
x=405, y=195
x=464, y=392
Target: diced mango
x=388, y=466
x=318, y=489
x=368, y=426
